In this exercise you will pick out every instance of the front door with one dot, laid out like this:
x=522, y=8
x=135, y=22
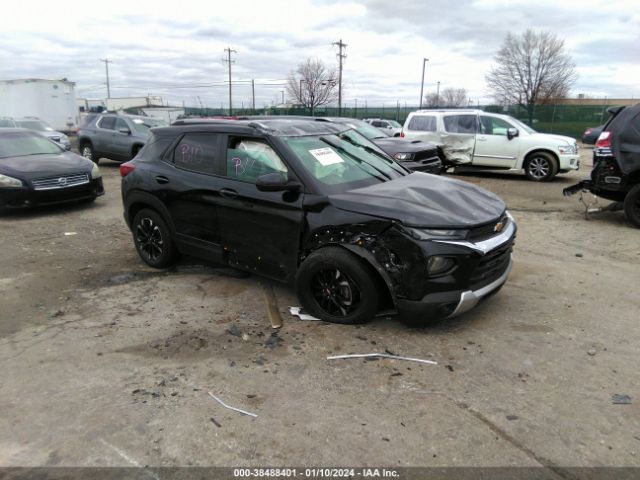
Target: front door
x=260, y=231
x=493, y=147
x=121, y=142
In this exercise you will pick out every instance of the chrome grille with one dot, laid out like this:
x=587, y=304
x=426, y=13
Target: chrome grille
x=62, y=181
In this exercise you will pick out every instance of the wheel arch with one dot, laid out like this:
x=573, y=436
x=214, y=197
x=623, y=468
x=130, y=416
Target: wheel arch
x=138, y=200
x=553, y=154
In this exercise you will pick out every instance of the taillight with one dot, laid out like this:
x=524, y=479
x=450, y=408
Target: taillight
x=126, y=169
x=604, y=140
x=401, y=134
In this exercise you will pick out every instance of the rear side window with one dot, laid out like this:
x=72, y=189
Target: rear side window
x=461, y=123
x=108, y=123
x=197, y=152
x=422, y=123
x=155, y=147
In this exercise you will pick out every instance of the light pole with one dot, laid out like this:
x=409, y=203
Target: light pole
x=282, y=92
x=424, y=61
x=438, y=95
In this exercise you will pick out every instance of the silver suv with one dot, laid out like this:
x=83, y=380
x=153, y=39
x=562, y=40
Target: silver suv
x=115, y=136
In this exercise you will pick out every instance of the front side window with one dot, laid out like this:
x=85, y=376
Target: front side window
x=18, y=144
x=344, y=160
x=461, y=123
x=250, y=158
x=494, y=126
x=120, y=123
x=423, y=123
x=108, y=123
x=197, y=152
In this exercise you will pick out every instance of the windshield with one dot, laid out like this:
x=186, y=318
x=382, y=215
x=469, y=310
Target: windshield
x=368, y=131
x=17, y=144
x=344, y=161
x=7, y=123
x=394, y=124
x=36, y=125
x=143, y=125
x=522, y=126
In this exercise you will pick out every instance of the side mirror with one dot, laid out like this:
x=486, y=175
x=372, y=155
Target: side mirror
x=276, y=182
x=512, y=133
x=126, y=131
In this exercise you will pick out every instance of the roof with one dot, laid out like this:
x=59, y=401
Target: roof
x=272, y=125
x=34, y=80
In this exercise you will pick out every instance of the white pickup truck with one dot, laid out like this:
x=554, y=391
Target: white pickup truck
x=473, y=138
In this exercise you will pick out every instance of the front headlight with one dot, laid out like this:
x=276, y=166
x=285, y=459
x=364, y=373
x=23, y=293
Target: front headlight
x=436, y=234
x=403, y=157
x=95, y=171
x=9, y=182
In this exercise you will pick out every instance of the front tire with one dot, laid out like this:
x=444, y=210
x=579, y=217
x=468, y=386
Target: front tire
x=632, y=205
x=540, y=167
x=335, y=286
x=152, y=239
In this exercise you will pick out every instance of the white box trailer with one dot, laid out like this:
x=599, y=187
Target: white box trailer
x=53, y=101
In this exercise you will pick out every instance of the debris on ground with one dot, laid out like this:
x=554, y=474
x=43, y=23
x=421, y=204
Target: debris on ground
x=239, y=410
x=273, y=341
x=68, y=234
x=512, y=417
x=591, y=352
x=272, y=305
x=618, y=399
x=381, y=355
x=215, y=422
x=299, y=312
x=234, y=330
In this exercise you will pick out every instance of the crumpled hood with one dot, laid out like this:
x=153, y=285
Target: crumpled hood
x=423, y=200
x=40, y=166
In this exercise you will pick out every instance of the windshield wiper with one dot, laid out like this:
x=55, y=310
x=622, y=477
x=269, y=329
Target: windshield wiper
x=357, y=159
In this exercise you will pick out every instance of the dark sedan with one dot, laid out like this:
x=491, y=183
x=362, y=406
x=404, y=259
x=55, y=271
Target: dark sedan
x=36, y=171
x=591, y=134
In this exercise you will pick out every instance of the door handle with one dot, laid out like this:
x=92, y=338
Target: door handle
x=228, y=193
x=161, y=179
x=482, y=139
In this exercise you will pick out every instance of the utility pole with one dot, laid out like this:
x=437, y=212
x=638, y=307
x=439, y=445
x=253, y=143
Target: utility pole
x=438, y=95
x=253, y=96
x=282, y=92
x=424, y=61
x=106, y=66
x=341, y=57
x=229, y=50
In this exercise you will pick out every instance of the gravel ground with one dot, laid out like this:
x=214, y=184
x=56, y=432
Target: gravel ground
x=109, y=363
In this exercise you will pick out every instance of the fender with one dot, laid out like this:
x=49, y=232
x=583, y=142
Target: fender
x=137, y=200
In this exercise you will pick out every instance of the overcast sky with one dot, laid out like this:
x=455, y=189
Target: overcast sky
x=175, y=49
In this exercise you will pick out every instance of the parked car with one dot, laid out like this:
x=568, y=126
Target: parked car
x=37, y=171
x=318, y=205
x=114, y=136
x=591, y=134
x=477, y=139
x=390, y=127
x=616, y=163
x=43, y=128
x=7, y=122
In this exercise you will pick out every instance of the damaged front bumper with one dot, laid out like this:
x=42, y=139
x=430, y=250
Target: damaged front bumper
x=578, y=187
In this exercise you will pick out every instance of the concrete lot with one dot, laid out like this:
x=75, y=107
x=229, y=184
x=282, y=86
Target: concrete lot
x=106, y=362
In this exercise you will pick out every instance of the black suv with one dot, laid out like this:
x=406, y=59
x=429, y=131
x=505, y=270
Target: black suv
x=616, y=162
x=318, y=205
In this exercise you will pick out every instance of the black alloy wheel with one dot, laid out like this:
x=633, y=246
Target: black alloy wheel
x=152, y=239
x=335, y=292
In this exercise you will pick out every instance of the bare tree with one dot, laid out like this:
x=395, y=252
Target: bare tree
x=453, y=97
x=312, y=84
x=531, y=69
x=432, y=100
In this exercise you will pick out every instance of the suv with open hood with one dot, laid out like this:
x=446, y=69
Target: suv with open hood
x=616, y=162
x=318, y=205
x=489, y=141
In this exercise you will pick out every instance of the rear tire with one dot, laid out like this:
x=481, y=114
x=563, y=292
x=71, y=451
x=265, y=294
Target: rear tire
x=152, y=239
x=87, y=151
x=632, y=206
x=540, y=167
x=335, y=286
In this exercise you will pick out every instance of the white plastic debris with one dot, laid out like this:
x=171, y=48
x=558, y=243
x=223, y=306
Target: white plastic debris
x=298, y=312
x=68, y=234
x=239, y=410
x=382, y=355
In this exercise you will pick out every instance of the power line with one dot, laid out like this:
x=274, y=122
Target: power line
x=341, y=57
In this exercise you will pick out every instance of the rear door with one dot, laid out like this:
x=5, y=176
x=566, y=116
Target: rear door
x=260, y=231
x=493, y=147
x=121, y=142
x=459, y=136
x=189, y=184
x=102, y=140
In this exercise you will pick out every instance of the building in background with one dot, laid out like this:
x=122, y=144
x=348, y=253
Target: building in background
x=53, y=101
